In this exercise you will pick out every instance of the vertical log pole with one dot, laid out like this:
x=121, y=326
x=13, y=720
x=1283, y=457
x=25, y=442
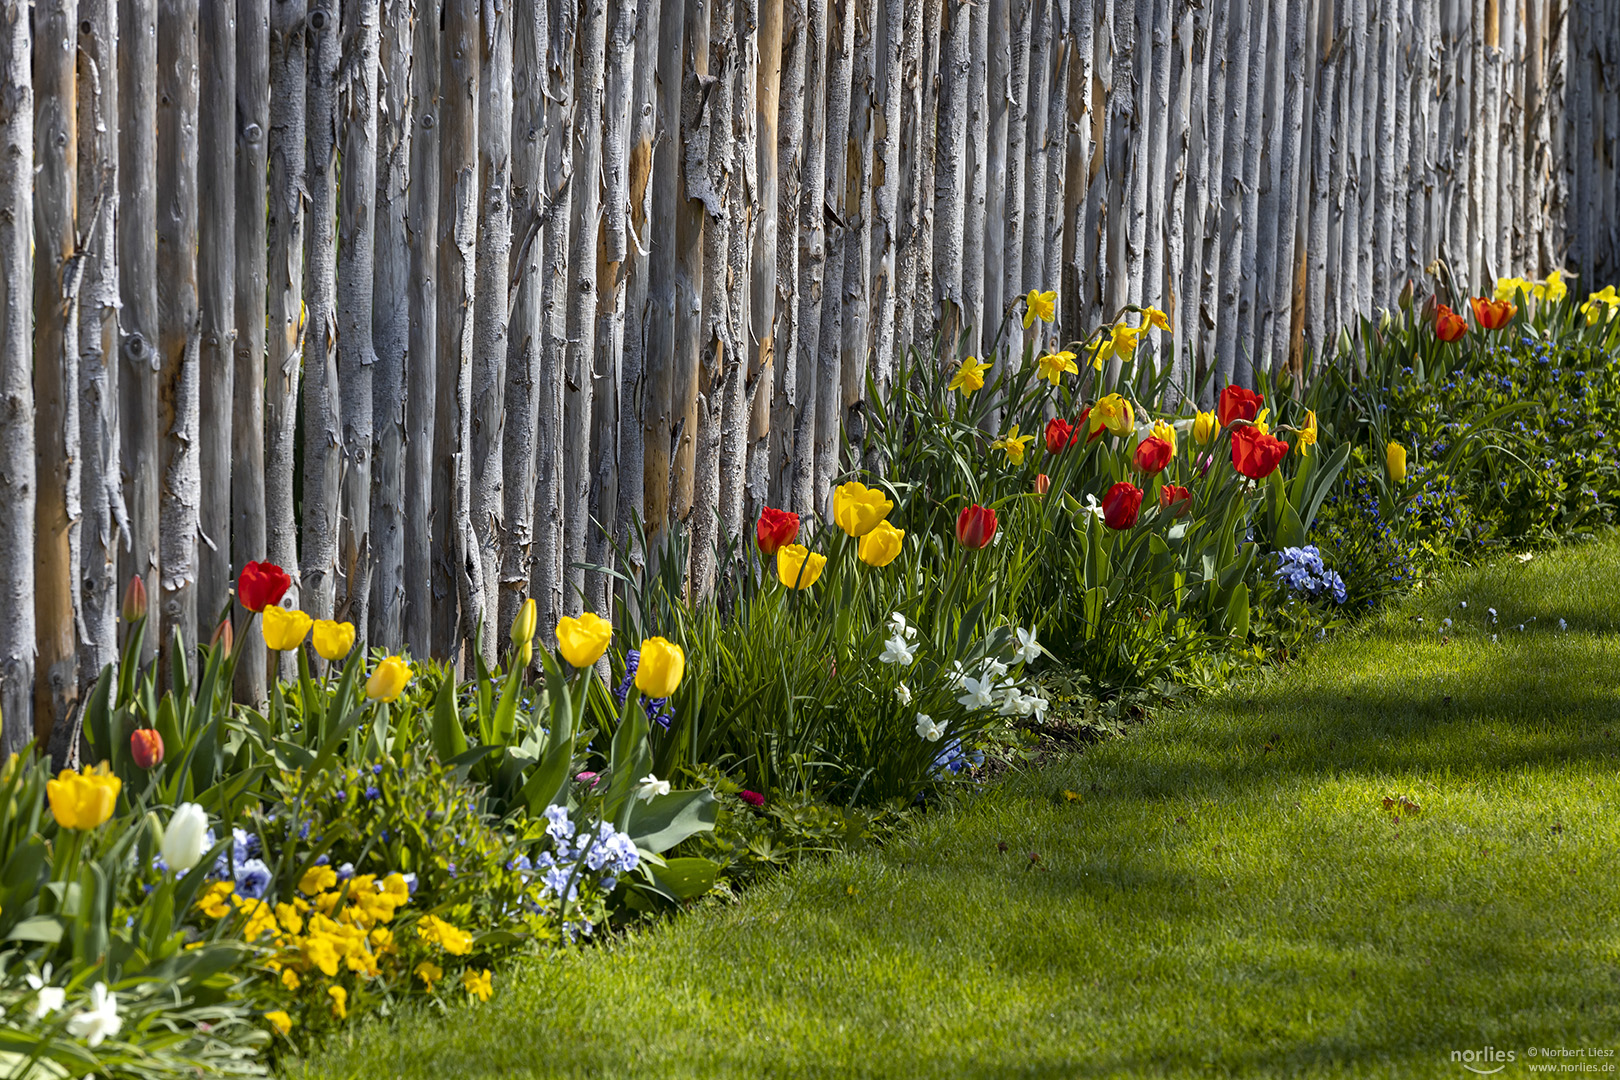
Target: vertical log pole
x=216, y=269
x=421, y=371
x=1184, y=62
x=322, y=460
x=840, y=235
x=657, y=410
x=812, y=256
x=887, y=171
x=693, y=139
x=16, y=381
x=858, y=202
x=974, y=206
x=762, y=293
x=1155, y=55
x=1055, y=159
x=998, y=100
x=1288, y=207
x=742, y=193
x=950, y=169
x=1234, y=169
x=248, y=535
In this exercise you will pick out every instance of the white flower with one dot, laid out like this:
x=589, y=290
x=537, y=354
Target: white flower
x=651, y=786
x=47, y=998
x=1012, y=701
x=1526, y=556
x=1094, y=507
x=978, y=693
x=928, y=729
x=897, y=651
x=186, y=838
x=902, y=694
x=994, y=669
x=1028, y=648
x=956, y=676
x=901, y=627
x=101, y=1021
x=1037, y=707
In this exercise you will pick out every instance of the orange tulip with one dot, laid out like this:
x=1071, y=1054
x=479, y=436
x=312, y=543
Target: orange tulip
x=1493, y=314
x=1448, y=325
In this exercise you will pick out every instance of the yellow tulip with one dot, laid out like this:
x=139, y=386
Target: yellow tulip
x=1166, y=431
x=333, y=640
x=83, y=800
x=1014, y=444
x=1114, y=413
x=969, y=377
x=523, y=625
x=797, y=566
x=1204, y=428
x=284, y=629
x=662, y=665
x=388, y=681
x=881, y=546
x=582, y=641
x=1395, y=461
x=1052, y=366
x=857, y=508
x=1039, y=305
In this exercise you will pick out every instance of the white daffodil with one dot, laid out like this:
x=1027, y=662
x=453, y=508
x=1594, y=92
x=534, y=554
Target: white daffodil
x=901, y=627
x=1012, y=702
x=47, y=998
x=651, y=786
x=1037, y=707
x=898, y=651
x=1028, y=648
x=928, y=729
x=995, y=669
x=956, y=675
x=978, y=693
x=1094, y=507
x=902, y=694
x=101, y=1021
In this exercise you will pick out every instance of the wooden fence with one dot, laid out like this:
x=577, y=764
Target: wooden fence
x=406, y=298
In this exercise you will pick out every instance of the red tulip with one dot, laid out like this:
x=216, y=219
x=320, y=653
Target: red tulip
x=1175, y=499
x=1448, y=325
x=1060, y=435
x=1256, y=454
x=975, y=526
x=1493, y=314
x=146, y=747
x=1153, y=454
x=1121, y=505
x=261, y=585
x=1236, y=403
x=1043, y=483
x=776, y=530
x=1083, y=421
x=135, y=599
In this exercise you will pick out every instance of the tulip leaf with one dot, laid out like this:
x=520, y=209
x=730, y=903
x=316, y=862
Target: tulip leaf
x=45, y=929
x=449, y=741
x=663, y=821
x=683, y=879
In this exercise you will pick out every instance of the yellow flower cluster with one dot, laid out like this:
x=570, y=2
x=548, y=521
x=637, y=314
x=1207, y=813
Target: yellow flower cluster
x=1552, y=290
x=1600, y=306
x=1122, y=340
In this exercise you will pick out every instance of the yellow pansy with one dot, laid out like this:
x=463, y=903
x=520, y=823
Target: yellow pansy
x=1039, y=305
x=317, y=879
x=279, y=1020
x=661, y=668
x=429, y=973
x=83, y=800
x=388, y=681
x=290, y=979
x=797, y=566
x=881, y=546
x=477, y=983
x=284, y=629
x=583, y=640
x=857, y=508
x=340, y=1001
x=1164, y=430
x=435, y=931
x=1014, y=444
x=1204, y=427
x=970, y=376
x=333, y=640
x=1052, y=366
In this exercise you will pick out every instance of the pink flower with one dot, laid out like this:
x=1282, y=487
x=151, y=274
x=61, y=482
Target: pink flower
x=587, y=777
x=752, y=798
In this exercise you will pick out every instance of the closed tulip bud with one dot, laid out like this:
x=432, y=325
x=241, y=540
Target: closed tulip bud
x=284, y=629
x=523, y=625
x=1043, y=483
x=389, y=680
x=186, y=839
x=333, y=640
x=135, y=600
x=975, y=526
x=881, y=546
x=1121, y=505
x=224, y=635
x=662, y=665
x=1204, y=428
x=1395, y=462
x=582, y=641
x=146, y=747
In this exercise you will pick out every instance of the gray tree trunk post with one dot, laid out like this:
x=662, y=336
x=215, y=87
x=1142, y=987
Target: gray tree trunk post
x=973, y=210
x=1154, y=55
x=1243, y=357
x=1287, y=208
x=526, y=330
x=248, y=534
x=1195, y=204
x=1184, y=71
x=762, y=293
x=1207, y=201
x=454, y=620
x=1459, y=89
x=739, y=388
x=1056, y=160
x=1234, y=170
x=1422, y=215
x=1367, y=174
x=887, y=171
x=105, y=526
x=492, y=271
x=1510, y=148
x=812, y=257
x=1268, y=68
x=1402, y=194
x=577, y=386
x=421, y=372
x=1018, y=162
x=285, y=267
x=546, y=575
x=1133, y=79
x=1382, y=196
x=391, y=327
x=658, y=404
x=1538, y=130
x=858, y=201
x=137, y=282
x=1041, y=64
x=829, y=371
x=998, y=102
x=790, y=165
x=689, y=261
x=1487, y=120
x=178, y=333
x=923, y=326
x=612, y=264
x=216, y=268
x=1076, y=275
x=950, y=170
x=1342, y=222
x=17, y=462
x=356, y=283
x=323, y=426
x=56, y=365
x=909, y=196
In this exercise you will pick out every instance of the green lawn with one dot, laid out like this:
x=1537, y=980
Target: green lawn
x=1228, y=895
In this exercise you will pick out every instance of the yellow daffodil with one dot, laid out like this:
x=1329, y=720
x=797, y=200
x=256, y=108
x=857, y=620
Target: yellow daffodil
x=1260, y=424
x=429, y=973
x=1552, y=290
x=583, y=640
x=857, y=508
x=1600, y=306
x=333, y=640
x=1204, y=428
x=662, y=665
x=1508, y=288
x=1114, y=413
x=1155, y=318
x=1307, y=433
x=1039, y=305
x=1052, y=366
x=477, y=983
x=797, y=566
x=284, y=629
x=1395, y=462
x=1014, y=444
x=1164, y=430
x=969, y=377
x=881, y=546
x=1124, y=343
x=388, y=681
x=83, y=800
x=279, y=1020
